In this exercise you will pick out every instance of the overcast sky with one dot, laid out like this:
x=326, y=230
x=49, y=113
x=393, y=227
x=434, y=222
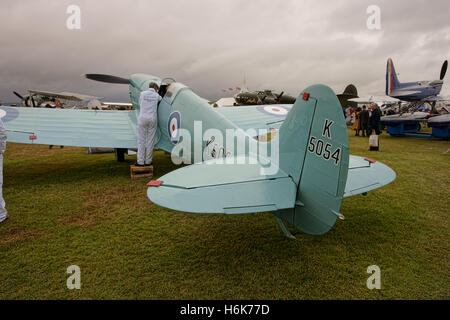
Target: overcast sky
x=209, y=45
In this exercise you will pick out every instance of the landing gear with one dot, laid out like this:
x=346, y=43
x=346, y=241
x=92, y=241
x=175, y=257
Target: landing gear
x=120, y=154
x=285, y=230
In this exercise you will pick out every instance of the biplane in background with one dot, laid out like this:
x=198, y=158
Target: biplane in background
x=65, y=99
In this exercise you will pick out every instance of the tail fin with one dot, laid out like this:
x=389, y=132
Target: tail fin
x=350, y=90
x=392, y=82
x=314, y=152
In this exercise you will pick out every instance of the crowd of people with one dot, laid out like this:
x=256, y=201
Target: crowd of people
x=364, y=120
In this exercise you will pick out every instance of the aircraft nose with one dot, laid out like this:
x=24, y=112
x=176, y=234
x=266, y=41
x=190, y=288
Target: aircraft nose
x=436, y=83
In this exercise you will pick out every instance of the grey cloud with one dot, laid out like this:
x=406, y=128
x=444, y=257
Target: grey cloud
x=209, y=45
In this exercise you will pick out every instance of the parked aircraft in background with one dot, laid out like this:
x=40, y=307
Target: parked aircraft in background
x=49, y=99
x=263, y=97
x=417, y=91
x=38, y=98
x=312, y=175
x=345, y=98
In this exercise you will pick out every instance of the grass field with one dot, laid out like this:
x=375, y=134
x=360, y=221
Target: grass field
x=70, y=208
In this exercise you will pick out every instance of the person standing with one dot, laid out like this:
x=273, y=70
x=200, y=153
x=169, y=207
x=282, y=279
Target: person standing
x=374, y=120
x=357, y=124
x=364, y=121
x=352, y=115
x=147, y=122
x=3, y=212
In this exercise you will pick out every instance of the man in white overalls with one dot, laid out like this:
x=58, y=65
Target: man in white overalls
x=147, y=122
x=3, y=213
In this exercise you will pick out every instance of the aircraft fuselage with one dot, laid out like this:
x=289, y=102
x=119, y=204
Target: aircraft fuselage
x=415, y=91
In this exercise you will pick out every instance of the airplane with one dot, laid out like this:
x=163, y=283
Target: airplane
x=263, y=97
x=49, y=99
x=418, y=91
x=247, y=98
x=303, y=187
x=350, y=93
x=244, y=97
x=38, y=98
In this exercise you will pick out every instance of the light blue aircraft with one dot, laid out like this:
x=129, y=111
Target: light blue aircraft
x=312, y=175
x=420, y=91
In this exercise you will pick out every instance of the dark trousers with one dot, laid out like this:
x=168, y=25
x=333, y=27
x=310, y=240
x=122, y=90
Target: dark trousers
x=365, y=130
x=377, y=130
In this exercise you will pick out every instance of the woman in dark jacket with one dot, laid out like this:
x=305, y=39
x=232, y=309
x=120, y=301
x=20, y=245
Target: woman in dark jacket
x=374, y=120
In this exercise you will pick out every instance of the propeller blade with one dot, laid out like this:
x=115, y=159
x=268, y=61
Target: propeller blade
x=18, y=95
x=33, y=102
x=444, y=69
x=280, y=95
x=106, y=78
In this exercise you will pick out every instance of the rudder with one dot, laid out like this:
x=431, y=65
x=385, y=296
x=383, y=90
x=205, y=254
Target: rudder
x=314, y=152
x=392, y=82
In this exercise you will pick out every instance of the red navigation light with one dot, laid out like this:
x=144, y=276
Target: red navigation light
x=306, y=96
x=370, y=160
x=154, y=183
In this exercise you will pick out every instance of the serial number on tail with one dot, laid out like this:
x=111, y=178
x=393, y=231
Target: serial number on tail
x=324, y=150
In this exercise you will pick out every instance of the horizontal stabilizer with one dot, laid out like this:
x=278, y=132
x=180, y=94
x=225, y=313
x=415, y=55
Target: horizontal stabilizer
x=365, y=175
x=224, y=188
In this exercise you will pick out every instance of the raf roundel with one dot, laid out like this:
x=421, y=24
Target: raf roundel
x=8, y=113
x=173, y=126
x=280, y=111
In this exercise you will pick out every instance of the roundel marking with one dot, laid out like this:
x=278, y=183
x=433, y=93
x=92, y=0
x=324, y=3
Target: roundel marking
x=8, y=113
x=173, y=126
x=280, y=111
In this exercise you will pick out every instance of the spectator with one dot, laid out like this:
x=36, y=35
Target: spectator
x=364, y=121
x=374, y=120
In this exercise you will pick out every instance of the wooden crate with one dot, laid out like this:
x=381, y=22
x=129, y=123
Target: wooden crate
x=138, y=172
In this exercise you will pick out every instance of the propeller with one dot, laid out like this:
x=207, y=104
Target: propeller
x=106, y=78
x=444, y=69
x=279, y=96
x=263, y=98
x=18, y=95
x=33, y=102
x=25, y=99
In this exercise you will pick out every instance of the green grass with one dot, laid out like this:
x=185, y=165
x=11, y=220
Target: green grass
x=67, y=207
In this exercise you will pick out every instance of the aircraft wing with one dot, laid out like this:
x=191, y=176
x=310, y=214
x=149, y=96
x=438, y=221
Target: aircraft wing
x=120, y=104
x=375, y=99
x=268, y=117
x=63, y=95
x=70, y=127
